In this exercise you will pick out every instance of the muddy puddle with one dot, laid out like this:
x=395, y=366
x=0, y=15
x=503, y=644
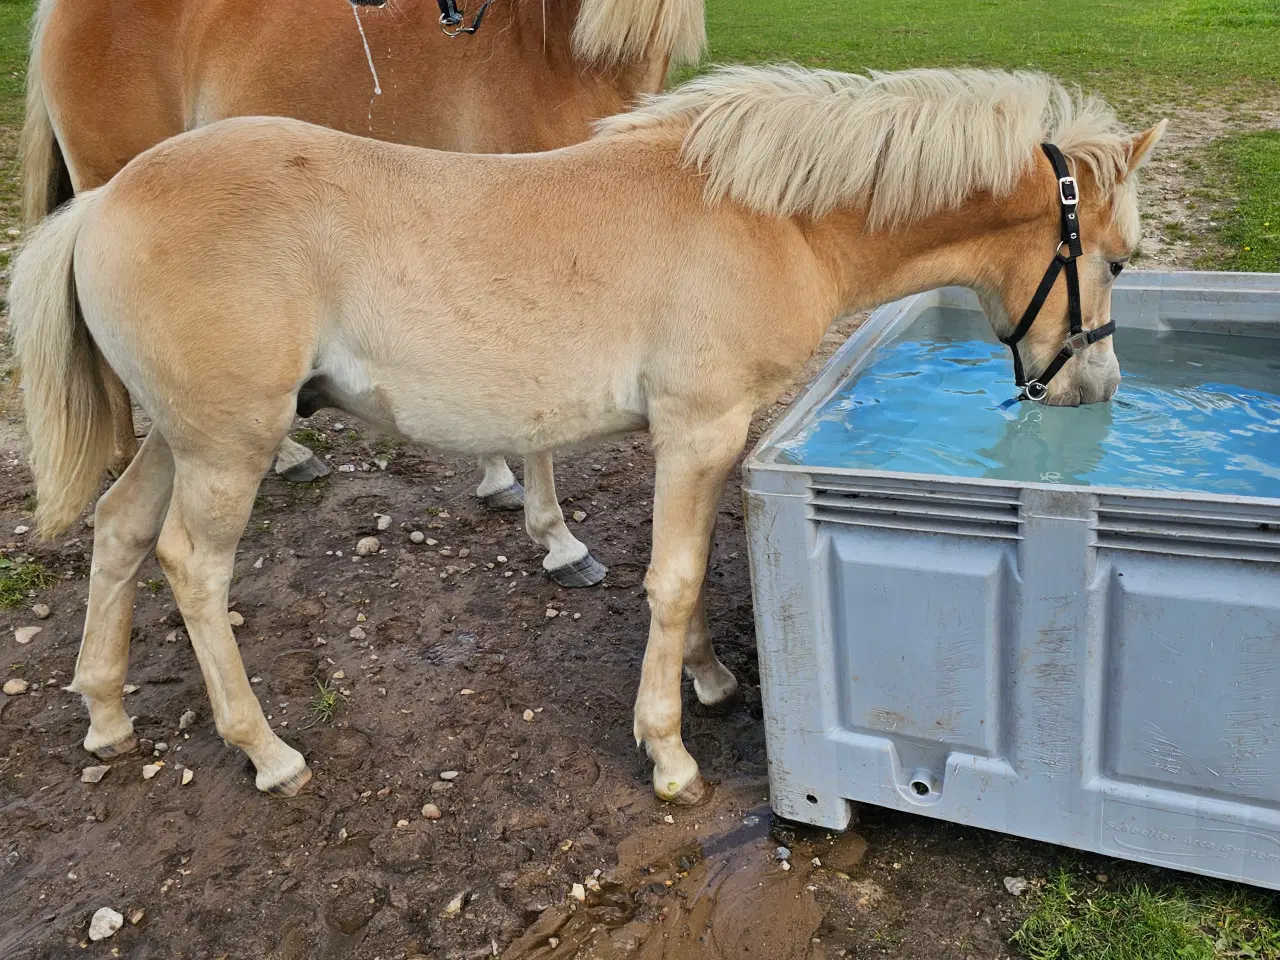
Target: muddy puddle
x=741, y=884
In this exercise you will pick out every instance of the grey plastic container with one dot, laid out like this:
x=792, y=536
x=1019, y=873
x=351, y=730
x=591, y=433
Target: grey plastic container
x=1088, y=666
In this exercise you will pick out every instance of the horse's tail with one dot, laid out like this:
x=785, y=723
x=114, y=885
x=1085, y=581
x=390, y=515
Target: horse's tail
x=612, y=31
x=68, y=414
x=46, y=181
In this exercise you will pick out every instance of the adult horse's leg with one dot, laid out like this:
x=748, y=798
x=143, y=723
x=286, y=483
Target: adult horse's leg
x=121, y=420
x=499, y=490
x=297, y=463
x=568, y=560
x=712, y=681
x=692, y=464
x=212, y=499
x=126, y=523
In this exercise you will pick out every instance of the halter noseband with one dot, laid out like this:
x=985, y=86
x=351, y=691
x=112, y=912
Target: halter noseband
x=1069, y=206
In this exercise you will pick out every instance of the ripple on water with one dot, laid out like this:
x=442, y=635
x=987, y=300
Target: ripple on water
x=1194, y=413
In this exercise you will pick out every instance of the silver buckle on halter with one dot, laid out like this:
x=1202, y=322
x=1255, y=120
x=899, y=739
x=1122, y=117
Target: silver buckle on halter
x=1077, y=342
x=1068, y=191
x=1035, y=390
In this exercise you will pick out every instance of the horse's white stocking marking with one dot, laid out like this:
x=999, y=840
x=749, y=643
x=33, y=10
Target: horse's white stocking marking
x=210, y=506
x=497, y=477
x=126, y=523
x=543, y=517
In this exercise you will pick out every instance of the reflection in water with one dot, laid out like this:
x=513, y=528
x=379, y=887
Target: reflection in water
x=1194, y=412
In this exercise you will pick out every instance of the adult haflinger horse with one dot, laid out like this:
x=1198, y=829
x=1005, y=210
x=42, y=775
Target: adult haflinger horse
x=671, y=274
x=107, y=81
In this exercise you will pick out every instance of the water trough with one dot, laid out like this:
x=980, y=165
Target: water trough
x=1062, y=624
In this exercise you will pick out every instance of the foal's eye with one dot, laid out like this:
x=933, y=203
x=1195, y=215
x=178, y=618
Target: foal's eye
x=1116, y=267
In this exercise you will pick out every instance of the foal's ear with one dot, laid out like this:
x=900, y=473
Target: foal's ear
x=1143, y=143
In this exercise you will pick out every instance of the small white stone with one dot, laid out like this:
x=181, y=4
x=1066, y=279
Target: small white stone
x=21, y=529
x=552, y=613
x=1016, y=885
x=528, y=714
x=417, y=536
x=449, y=775
x=94, y=774
x=347, y=468
x=337, y=426
x=431, y=811
x=361, y=618
x=26, y=634
x=187, y=719
x=257, y=564
x=455, y=905
x=668, y=819
x=466, y=692
x=402, y=823
x=187, y=775
x=131, y=688
x=15, y=686
x=357, y=633
x=579, y=516
x=578, y=892
x=104, y=924
x=150, y=770
x=339, y=675
x=40, y=611
x=501, y=558
x=384, y=522
x=235, y=618
x=431, y=541
x=367, y=546
x=786, y=864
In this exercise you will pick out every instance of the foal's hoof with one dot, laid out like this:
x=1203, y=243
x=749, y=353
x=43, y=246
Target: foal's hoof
x=586, y=572
x=290, y=785
x=691, y=794
x=310, y=469
x=719, y=692
x=512, y=498
x=121, y=748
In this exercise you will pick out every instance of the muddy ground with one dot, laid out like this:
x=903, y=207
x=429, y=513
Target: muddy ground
x=449, y=663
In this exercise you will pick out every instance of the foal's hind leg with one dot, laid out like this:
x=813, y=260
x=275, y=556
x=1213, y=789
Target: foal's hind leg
x=568, y=560
x=126, y=523
x=211, y=503
x=499, y=490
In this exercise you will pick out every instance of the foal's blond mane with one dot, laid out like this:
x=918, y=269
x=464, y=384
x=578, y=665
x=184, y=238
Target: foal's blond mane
x=785, y=140
x=612, y=31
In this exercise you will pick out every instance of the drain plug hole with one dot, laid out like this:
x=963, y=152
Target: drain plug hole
x=920, y=788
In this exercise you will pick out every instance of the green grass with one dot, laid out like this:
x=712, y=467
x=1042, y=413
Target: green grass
x=325, y=704
x=1077, y=918
x=18, y=579
x=1178, y=47
x=313, y=440
x=1251, y=232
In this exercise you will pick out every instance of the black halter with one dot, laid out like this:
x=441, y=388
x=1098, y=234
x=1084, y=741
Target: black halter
x=1068, y=252
x=451, y=17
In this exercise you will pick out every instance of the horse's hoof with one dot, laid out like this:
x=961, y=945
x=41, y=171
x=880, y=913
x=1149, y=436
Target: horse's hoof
x=586, y=572
x=121, y=748
x=721, y=699
x=290, y=785
x=691, y=794
x=512, y=498
x=311, y=469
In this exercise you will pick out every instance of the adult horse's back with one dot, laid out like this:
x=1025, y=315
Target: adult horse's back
x=110, y=78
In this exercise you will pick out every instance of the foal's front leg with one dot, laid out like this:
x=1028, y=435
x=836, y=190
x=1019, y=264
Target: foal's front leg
x=692, y=464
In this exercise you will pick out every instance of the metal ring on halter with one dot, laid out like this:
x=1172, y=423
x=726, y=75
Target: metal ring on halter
x=1036, y=391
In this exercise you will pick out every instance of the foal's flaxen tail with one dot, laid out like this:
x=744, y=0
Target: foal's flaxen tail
x=68, y=416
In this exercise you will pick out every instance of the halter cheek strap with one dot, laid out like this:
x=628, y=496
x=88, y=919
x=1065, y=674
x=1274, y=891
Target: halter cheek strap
x=450, y=16
x=1064, y=261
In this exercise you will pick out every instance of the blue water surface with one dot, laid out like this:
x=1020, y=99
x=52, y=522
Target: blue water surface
x=1194, y=412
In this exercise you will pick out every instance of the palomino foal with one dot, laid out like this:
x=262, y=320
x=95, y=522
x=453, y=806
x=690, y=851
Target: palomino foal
x=107, y=81
x=672, y=274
